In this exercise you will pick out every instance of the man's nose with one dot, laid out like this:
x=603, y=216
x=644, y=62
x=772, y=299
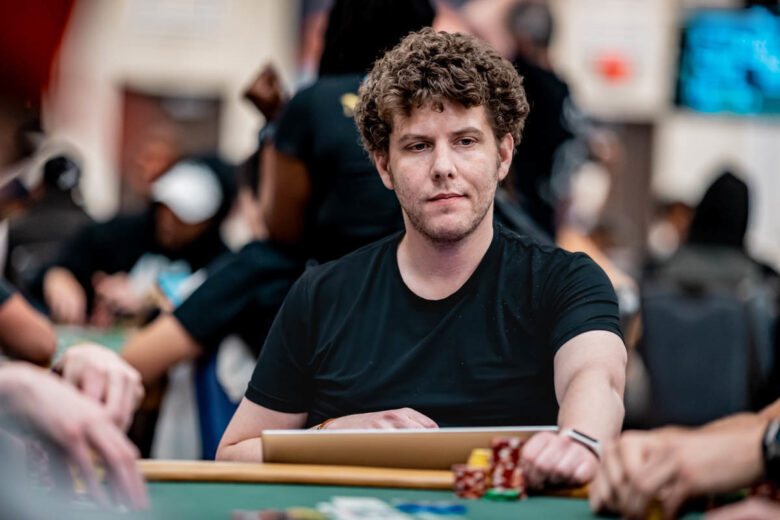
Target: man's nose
x=443, y=163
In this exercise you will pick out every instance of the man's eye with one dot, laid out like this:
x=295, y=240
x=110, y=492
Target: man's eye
x=418, y=147
x=467, y=141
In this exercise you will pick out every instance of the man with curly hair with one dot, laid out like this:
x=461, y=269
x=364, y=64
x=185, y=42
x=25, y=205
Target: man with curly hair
x=455, y=321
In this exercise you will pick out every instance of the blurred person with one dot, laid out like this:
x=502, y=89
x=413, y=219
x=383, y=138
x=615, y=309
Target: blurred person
x=106, y=270
x=674, y=464
x=710, y=300
x=669, y=230
x=557, y=140
x=52, y=214
x=78, y=423
x=240, y=297
x=439, y=115
x=25, y=333
x=319, y=190
x=31, y=398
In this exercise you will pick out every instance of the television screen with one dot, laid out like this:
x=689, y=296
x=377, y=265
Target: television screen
x=730, y=61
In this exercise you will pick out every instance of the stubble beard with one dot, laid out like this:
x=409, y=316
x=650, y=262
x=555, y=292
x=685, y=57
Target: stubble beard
x=446, y=238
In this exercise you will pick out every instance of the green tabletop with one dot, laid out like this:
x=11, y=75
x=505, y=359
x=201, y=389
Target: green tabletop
x=113, y=337
x=208, y=500
x=201, y=500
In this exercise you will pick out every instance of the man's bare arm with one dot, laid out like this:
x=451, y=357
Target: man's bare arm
x=241, y=440
x=590, y=376
x=25, y=333
x=589, y=380
x=158, y=346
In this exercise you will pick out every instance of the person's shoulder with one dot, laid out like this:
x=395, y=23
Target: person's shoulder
x=542, y=257
x=265, y=258
x=327, y=86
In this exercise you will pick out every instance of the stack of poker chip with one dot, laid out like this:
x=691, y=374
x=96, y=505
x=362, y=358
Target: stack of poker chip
x=471, y=479
x=505, y=473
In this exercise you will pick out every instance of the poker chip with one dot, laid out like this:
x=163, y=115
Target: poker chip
x=505, y=471
x=502, y=495
x=434, y=508
x=470, y=481
x=480, y=458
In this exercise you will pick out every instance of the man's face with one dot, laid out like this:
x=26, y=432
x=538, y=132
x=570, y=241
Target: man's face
x=444, y=167
x=172, y=233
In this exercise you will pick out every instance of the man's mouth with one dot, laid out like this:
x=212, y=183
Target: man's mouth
x=445, y=197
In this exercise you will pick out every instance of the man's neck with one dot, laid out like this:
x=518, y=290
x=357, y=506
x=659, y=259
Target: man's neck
x=434, y=270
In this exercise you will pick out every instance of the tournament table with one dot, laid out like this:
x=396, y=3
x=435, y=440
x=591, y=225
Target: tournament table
x=201, y=490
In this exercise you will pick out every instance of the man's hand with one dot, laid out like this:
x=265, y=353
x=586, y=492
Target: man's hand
x=753, y=508
x=266, y=92
x=64, y=296
x=673, y=464
x=552, y=459
x=116, y=293
x=77, y=425
x=402, y=418
x=105, y=377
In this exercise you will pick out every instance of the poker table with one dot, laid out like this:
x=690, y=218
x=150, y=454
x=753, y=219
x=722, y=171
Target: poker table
x=200, y=490
x=112, y=337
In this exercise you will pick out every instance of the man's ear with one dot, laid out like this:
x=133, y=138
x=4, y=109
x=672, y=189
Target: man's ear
x=505, y=150
x=382, y=161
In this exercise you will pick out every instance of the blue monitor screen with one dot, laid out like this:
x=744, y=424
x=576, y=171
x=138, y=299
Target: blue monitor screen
x=730, y=62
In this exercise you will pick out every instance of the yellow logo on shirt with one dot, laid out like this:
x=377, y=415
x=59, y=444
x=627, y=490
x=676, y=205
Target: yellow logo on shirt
x=348, y=102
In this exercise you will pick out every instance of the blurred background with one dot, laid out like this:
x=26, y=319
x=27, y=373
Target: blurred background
x=688, y=87
x=653, y=145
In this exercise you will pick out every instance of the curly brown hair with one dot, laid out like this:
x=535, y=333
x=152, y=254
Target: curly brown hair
x=431, y=67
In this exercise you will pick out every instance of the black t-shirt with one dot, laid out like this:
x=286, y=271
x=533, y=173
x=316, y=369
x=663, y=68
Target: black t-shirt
x=241, y=296
x=117, y=244
x=351, y=337
x=349, y=206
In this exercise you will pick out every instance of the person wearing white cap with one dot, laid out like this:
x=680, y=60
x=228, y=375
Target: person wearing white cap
x=90, y=281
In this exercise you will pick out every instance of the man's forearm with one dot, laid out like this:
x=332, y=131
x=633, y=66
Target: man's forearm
x=249, y=450
x=593, y=405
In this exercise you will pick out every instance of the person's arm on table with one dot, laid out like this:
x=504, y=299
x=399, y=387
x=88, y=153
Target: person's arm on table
x=589, y=379
x=158, y=346
x=64, y=296
x=106, y=378
x=76, y=424
x=241, y=440
x=672, y=464
x=24, y=332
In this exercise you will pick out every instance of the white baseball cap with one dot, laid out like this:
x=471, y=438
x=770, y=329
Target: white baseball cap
x=191, y=190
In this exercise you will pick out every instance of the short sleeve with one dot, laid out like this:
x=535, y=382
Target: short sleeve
x=209, y=314
x=579, y=298
x=282, y=379
x=6, y=290
x=293, y=135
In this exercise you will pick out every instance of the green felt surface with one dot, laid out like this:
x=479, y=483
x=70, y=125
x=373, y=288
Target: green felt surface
x=207, y=500
x=216, y=500
x=112, y=338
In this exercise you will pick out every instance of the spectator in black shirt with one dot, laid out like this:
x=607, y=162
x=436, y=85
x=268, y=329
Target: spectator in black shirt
x=455, y=320
x=89, y=279
x=319, y=189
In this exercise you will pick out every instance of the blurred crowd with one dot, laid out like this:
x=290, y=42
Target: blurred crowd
x=699, y=312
